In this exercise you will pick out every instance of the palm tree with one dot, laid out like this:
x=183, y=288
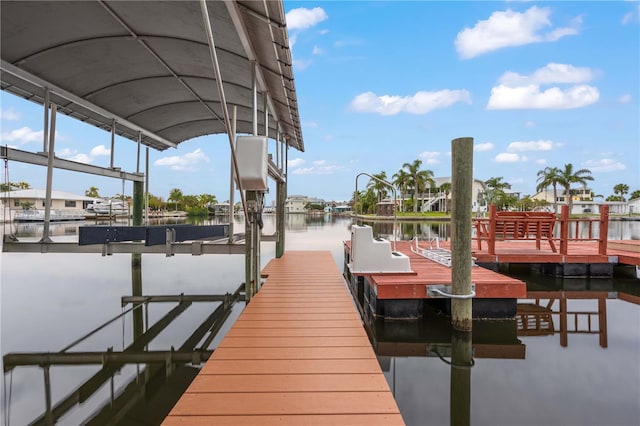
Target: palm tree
x=378, y=187
x=175, y=195
x=418, y=179
x=401, y=181
x=568, y=176
x=92, y=192
x=546, y=177
x=446, y=188
x=495, y=193
x=621, y=189
x=635, y=194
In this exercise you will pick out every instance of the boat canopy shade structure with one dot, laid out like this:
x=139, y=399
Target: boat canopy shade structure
x=147, y=65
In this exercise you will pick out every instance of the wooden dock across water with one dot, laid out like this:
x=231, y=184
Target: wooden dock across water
x=297, y=355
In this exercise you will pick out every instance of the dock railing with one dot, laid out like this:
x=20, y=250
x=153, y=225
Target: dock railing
x=538, y=226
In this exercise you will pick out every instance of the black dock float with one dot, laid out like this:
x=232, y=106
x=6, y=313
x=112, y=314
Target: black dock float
x=151, y=235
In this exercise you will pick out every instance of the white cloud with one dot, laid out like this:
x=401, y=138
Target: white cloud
x=507, y=157
x=9, y=114
x=631, y=16
x=430, y=157
x=317, y=50
x=540, y=145
x=186, y=162
x=550, y=73
x=321, y=169
x=81, y=158
x=531, y=97
x=625, y=99
x=541, y=161
x=604, y=165
x=302, y=18
x=319, y=162
x=296, y=162
x=100, y=150
x=301, y=64
x=509, y=28
x=22, y=136
x=518, y=91
x=529, y=124
x=420, y=103
x=480, y=147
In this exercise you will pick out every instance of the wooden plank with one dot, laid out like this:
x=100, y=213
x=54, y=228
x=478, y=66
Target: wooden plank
x=255, y=403
x=292, y=366
x=244, y=323
x=293, y=342
x=212, y=383
x=633, y=245
x=298, y=332
x=333, y=352
x=289, y=420
x=285, y=316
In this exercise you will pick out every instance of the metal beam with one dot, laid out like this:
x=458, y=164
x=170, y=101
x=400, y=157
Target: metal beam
x=176, y=298
x=243, y=35
x=41, y=160
x=19, y=72
x=106, y=358
x=193, y=248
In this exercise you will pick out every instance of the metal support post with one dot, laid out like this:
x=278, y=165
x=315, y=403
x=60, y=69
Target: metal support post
x=45, y=127
x=281, y=196
x=47, y=396
x=249, y=248
x=113, y=142
x=50, y=157
x=146, y=187
x=138, y=152
x=232, y=178
x=462, y=181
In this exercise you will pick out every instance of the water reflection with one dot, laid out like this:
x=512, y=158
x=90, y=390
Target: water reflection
x=569, y=357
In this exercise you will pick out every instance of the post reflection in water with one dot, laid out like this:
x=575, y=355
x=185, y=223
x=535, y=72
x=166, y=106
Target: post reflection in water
x=461, y=364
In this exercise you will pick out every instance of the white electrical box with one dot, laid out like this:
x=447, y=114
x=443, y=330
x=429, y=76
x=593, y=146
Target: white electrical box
x=251, y=152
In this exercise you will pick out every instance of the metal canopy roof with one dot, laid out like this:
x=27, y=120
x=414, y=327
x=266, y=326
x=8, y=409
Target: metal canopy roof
x=148, y=65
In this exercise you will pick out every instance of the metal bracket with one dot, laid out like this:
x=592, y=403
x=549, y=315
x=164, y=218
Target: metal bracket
x=445, y=291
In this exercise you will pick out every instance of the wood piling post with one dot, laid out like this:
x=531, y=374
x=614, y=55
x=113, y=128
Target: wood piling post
x=462, y=181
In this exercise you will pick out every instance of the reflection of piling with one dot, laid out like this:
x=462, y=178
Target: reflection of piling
x=462, y=181
x=136, y=260
x=136, y=290
x=461, y=363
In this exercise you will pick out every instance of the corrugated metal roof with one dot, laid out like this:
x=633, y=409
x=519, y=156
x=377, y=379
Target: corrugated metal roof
x=148, y=65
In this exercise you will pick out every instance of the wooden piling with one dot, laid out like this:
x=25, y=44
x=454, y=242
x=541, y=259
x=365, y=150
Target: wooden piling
x=461, y=182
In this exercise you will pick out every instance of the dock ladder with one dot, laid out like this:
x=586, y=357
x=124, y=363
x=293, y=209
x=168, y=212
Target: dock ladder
x=435, y=252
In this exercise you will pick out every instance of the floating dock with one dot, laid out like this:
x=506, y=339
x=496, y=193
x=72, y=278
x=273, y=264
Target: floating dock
x=402, y=295
x=297, y=354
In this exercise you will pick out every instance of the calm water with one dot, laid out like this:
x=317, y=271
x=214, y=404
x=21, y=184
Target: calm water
x=525, y=372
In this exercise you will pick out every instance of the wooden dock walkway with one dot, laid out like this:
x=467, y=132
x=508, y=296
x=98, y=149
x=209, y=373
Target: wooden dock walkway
x=297, y=355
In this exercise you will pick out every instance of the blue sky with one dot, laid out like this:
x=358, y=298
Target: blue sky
x=380, y=84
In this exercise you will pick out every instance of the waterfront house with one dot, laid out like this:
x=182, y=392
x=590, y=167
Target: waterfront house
x=23, y=199
x=296, y=204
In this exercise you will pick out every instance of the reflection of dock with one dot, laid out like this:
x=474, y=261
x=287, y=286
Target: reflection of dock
x=432, y=337
x=148, y=394
x=537, y=318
